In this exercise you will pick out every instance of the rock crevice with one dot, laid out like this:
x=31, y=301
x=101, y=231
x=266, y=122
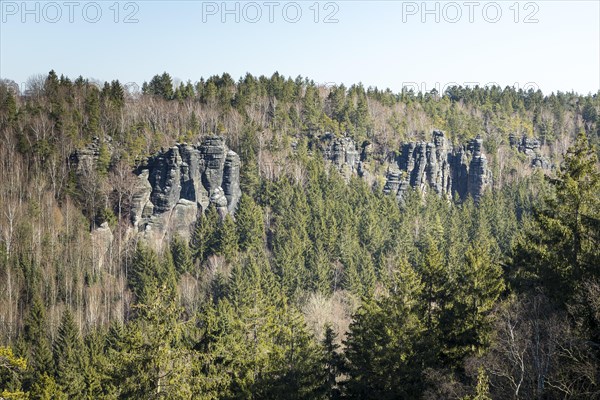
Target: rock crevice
x=437, y=166
x=178, y=183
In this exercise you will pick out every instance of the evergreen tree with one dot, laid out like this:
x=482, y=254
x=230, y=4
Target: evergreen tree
x=332, y=361
x=204, y=238
x=182, y=256
x=433, y=274
x=473, y=293
x=560, y=246
x=36, y=335
x=151, y=361
x=68, y=353
x=227, y=239
x=384, y=349
x=250, y=224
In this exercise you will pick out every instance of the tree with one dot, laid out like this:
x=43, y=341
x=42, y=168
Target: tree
x=68, y=354
x=250, y=224
x=560, y=247
x=204, y=239
x=35, y=332
x=386, y=346
x=182, y=256
x=160, y=85
x=433, y=274
x=227, y=238
x=11, y=371
x=150, y=360
x=148, y=274
x=332, y=361
x=466, y=322
x=482, y=391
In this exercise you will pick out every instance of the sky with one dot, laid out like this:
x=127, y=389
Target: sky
x=550, y=45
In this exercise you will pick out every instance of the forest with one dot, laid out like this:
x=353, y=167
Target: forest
x=319, y=284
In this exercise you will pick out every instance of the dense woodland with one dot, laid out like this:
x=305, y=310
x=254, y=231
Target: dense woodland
x=319, y=286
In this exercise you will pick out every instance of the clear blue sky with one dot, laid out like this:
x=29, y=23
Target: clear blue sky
x=384, y=44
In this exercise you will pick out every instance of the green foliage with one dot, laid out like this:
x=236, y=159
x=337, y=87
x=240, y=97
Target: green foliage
x=559, y=248
x=182, y=256
x=11, y=372
x=249, y=224
x=384, y=344
x=227, y=239
x=149, y=275
x=333, y=363
x=149, y=360
x=68, y=354
x=204, y=238
x=36, y=336
x=160, y=85
x=429, y=272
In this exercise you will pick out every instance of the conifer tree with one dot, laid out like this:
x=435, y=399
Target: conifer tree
x=36, y=335
x=68, y=355
x=250, y=224
x=560, y=247
x=204, y=238
x=227, y=238
x=182, y=256
x=333, y=364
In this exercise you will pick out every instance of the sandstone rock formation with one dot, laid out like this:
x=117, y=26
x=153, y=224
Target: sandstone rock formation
x=341, y=152
x=179, y=183
x=87, y=158
x=102, y=238
x=531, y=147
x=440, y=167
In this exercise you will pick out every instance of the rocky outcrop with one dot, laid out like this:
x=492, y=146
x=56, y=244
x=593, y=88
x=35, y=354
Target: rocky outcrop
x=341, y=152
x=102, y=238
x=86, y=159
x=178, y=183
x=531, y=147
x=436, y=165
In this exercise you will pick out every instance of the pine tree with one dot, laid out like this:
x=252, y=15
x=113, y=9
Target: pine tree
x=433, y=274
x=482, y=391
x=384, y=350
x=182, y=256
x=148, y=274
x=204, y=238
x=227, y=239
x=36, y=331
x=250, y=224
x=473, y=293
x=560, y=247
x=332, y=361
x=68, y=353
x=151, y=361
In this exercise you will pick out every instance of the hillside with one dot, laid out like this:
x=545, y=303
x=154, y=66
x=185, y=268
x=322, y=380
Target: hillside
x=273, y=238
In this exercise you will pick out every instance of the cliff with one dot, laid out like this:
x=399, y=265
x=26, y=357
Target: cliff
x=436, y=165
x=179, y=183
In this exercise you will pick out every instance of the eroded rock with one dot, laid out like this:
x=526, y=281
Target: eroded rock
x=437, y=166
x=179, y=183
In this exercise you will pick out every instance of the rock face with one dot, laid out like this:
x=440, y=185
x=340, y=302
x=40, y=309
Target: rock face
x=87, y=157
x=342, y=153
x=438, y=166
x=179, y=183
x=531, y=148
x=102, y=238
